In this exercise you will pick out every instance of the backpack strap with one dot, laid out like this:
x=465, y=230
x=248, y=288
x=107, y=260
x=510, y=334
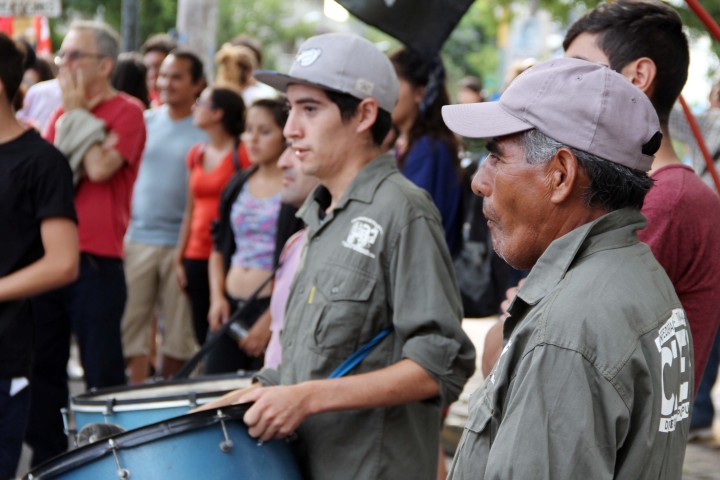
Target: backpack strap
x=235, y=160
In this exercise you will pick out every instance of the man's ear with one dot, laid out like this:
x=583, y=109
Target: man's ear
x=563, y=175
x=366, y=114
x=641, y=73
x=418, y=94
x=107, y=66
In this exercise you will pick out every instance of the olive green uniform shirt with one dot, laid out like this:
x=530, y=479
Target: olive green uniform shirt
x=595, y=380
x=378, y=259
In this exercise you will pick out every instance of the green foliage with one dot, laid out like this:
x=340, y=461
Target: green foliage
x=471, y=49
x=271, y=22
x=155, y=16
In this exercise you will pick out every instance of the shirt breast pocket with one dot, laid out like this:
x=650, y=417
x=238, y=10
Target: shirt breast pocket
x=474, y=448
x=346, y=293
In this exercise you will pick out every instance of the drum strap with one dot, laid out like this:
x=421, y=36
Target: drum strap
x=359, y=355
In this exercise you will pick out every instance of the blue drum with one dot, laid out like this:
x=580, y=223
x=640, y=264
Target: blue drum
x=213, y=444
x=137, y=406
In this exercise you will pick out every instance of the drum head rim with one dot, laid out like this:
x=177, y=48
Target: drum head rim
x=137, y=437
x=88, y=398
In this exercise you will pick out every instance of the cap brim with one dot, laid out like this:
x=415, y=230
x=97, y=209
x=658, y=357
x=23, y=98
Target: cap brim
x=482, y=120
x=281, y=81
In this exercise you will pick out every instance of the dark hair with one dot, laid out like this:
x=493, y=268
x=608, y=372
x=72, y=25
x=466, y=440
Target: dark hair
x=612, y=186
x=249, y=42
x=129, y=77
x=28, y=51
x=196, y=65
x=44, y=69
x=233, y=108
x=12, y=59
x=277, y=108
x=417, y=70
x=348, y=108
x=159, y=42
x=631, y=29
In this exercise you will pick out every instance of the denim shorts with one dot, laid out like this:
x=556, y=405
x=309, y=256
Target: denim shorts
x=14, y=411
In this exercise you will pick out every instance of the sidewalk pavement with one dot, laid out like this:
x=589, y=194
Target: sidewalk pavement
x=702, y=459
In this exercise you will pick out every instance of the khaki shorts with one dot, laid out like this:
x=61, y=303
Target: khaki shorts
x=151, y=283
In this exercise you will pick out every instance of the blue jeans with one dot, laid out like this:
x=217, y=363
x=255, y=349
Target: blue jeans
x=92, y=307
x=14, y=412
x=703, y=411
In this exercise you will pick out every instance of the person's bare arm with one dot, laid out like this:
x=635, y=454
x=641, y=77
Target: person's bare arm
x=279, y=410
x=219, y=306
x=57, y=267
x=101, y=161
x=183, y=240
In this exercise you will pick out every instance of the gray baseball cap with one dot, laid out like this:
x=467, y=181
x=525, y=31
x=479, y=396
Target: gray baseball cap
x=341, y=62
x=580, y=104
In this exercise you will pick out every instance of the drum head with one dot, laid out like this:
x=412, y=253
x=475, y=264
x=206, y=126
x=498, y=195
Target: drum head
x=201, y=388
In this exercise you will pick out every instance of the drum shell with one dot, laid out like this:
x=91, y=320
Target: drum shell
x=161, y=451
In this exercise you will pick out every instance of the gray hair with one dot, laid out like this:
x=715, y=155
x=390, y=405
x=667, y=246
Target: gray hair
x=106, y=39
x=612, y=186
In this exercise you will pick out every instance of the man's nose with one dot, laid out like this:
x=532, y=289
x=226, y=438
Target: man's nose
x=291, y=129
x=482, y=181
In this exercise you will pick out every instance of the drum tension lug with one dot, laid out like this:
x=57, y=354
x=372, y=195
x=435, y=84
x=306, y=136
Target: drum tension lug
x=109, y=410
x=123, y=473
x=69, y=432
x=227, y=444
x=192, y=398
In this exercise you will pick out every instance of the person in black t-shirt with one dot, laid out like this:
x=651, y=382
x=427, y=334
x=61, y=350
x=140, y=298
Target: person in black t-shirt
x=38, y=245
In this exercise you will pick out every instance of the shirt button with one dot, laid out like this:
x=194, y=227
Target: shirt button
x=334, y=289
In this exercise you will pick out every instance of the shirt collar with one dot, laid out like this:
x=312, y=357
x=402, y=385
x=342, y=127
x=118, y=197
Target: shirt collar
x=613, y=230
x=361, y=189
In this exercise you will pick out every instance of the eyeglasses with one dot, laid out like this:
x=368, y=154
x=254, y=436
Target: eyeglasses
x=204, y=103
x=73, y=56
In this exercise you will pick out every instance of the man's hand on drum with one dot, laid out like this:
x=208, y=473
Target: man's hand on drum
x=230, y=398
x=277, y=411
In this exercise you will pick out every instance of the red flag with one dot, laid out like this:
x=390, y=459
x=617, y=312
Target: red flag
x=6, y=25
x=43, y=43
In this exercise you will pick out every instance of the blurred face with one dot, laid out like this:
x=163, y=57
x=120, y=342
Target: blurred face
x=316, y=132
x=204, y=113
x=514, y=201
x=466, y=95
x=175, y=83
x=30, y=77
x=407, y=108
x=263, y=137
x=153, y=60
x=79, y=54
x=296, y=185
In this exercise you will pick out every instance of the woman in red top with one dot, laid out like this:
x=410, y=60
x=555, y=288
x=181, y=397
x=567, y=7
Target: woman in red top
x=220, y=113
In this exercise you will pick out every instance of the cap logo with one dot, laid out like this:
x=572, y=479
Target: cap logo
x=308, y=57
x=364, y=86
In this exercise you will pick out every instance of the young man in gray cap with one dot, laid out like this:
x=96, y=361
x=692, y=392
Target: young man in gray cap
x=595, y=380
x=375, y=261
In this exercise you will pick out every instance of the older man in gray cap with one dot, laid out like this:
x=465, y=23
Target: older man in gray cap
x=376, y=264
x=595, y=380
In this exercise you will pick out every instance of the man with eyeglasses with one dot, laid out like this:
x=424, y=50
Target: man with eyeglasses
x=103, y=131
